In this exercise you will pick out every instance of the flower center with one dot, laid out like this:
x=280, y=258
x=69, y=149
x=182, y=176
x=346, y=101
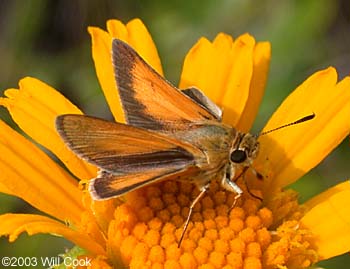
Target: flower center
x=146, y=229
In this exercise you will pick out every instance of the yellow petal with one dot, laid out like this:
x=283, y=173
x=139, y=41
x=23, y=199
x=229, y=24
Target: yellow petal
x=207, y=65
x=135, y=34
x=34, y=107
x=327, y=194
x=4, y=189
x=261, y=63
x=291, y=152
x=223, y=70
x=28, y=173
x=329, y=221
x=238, y=82
x=15, y=224
x=140, y=39
x=101, y=54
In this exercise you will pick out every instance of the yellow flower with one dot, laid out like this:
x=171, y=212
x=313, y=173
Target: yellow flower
x=142, y=230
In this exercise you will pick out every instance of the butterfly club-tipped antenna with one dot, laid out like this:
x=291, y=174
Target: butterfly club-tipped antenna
x=303, y=119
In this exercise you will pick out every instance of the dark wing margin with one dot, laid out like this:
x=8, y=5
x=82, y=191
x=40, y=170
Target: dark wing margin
x=107, y=185
x=120, y=148
x=149, y=101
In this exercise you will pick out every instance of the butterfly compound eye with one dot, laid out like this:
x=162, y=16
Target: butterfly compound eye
x=238, y=156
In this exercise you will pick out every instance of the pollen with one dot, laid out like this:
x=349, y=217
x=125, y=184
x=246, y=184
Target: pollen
x=148, y=226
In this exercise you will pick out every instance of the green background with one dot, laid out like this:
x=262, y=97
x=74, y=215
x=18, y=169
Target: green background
x=48, y=40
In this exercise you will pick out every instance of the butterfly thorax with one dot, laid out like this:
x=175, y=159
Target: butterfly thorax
x=213, y=139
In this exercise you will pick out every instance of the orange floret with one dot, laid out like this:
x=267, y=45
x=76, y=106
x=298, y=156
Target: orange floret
x=236, y=224
x=237, y=245
x=139, y=255
x=127, y=247
x=263, y=236
x=173, y=252
x=212, y=234
x=265, y=216
x=167, y=239
x=206, y=244
x=226, y=233
x=252, y=262
x=157, y=265
x=220, y=198
x=156, y=254
x=209, y=224
x=172, y=264
x=222, y=246
x=248, y=235
x=253, y=250
x=206, y=266
x=221, y=221
x=155, y=224
x=217, y=259
x=156, y=203
x=201, y=255
x=152, y=238
x=188, y=245
x=187, y=260
x=237, y=212
x=140, y=230
x=145, y=214
x=253, y=222
x=235, y=259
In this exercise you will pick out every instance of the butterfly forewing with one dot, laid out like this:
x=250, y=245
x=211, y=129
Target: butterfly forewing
x=120, y=148
x=148, y=100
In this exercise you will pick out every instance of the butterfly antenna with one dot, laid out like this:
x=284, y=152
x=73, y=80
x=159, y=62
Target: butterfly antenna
x=303, y=119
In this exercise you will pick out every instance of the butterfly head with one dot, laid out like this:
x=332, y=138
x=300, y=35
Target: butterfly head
x=244, y=149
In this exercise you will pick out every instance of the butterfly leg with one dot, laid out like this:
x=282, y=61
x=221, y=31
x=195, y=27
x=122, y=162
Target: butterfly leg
x=230, y=185
x=195, y=201
x=242, y=174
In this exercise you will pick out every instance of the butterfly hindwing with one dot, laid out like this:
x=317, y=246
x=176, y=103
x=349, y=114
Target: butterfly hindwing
x=107, y=185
